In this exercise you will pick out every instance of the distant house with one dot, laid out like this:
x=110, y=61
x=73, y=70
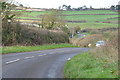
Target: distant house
x=84, y=8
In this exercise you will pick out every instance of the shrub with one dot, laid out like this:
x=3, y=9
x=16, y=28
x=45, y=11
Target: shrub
x=108, y=52
x=17, y=34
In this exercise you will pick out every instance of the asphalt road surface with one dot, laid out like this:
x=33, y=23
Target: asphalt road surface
x=38, y=64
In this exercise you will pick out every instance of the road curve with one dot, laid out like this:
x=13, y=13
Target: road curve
x=38, y=64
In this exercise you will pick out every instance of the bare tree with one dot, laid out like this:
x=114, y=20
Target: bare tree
x=74, y=30
x=52, y=20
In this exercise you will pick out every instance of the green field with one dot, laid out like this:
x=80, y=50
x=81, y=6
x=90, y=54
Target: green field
x=73, y=12
x=90, y=18
x=36, y=13
x=92, y=21
x=93, y=25
x=90, y=12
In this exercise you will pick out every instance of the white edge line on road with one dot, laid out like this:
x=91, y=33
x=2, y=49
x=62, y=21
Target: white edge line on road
x=29, y=57
x=12, y=61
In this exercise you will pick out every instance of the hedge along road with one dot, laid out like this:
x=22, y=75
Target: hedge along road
x=38, y=64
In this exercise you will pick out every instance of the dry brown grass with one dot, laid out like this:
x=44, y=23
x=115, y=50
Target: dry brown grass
x=108, y=52
x=84, y=42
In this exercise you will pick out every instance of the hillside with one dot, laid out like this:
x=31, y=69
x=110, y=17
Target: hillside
x=85, y=19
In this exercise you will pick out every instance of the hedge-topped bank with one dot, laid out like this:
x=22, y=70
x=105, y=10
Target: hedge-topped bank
x=17, y=34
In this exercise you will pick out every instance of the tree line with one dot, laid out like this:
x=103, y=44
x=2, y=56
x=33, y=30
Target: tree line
x=115, y=7
x=68, y=7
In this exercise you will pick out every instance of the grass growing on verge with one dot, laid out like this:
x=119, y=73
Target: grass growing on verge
x=15, y=49
x=98, y=62
x=86, y=66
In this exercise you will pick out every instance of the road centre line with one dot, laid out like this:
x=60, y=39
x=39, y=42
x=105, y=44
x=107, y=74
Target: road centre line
x=12, y=61
x=40, y=55
x=29, y=57
x=8, y=62
x=50, y=53
x=33, y=57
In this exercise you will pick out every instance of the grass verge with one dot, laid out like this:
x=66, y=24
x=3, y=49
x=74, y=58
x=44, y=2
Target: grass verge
x=86, y=66
x=15, y=49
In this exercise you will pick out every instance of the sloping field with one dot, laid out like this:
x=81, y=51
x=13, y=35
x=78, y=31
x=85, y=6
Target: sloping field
x=93, y=25
x=90, y=12
x=85, y=19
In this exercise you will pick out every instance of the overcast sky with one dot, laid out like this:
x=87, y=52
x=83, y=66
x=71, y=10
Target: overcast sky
x=73, y=3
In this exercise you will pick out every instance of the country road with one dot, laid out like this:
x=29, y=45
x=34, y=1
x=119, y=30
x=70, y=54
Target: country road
x=38, y=64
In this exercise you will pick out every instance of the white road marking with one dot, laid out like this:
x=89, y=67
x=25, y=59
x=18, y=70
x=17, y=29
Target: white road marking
x=69, y=59
x=52, y=53
x=12, y=61
x=40, y=55
x=29, y=57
